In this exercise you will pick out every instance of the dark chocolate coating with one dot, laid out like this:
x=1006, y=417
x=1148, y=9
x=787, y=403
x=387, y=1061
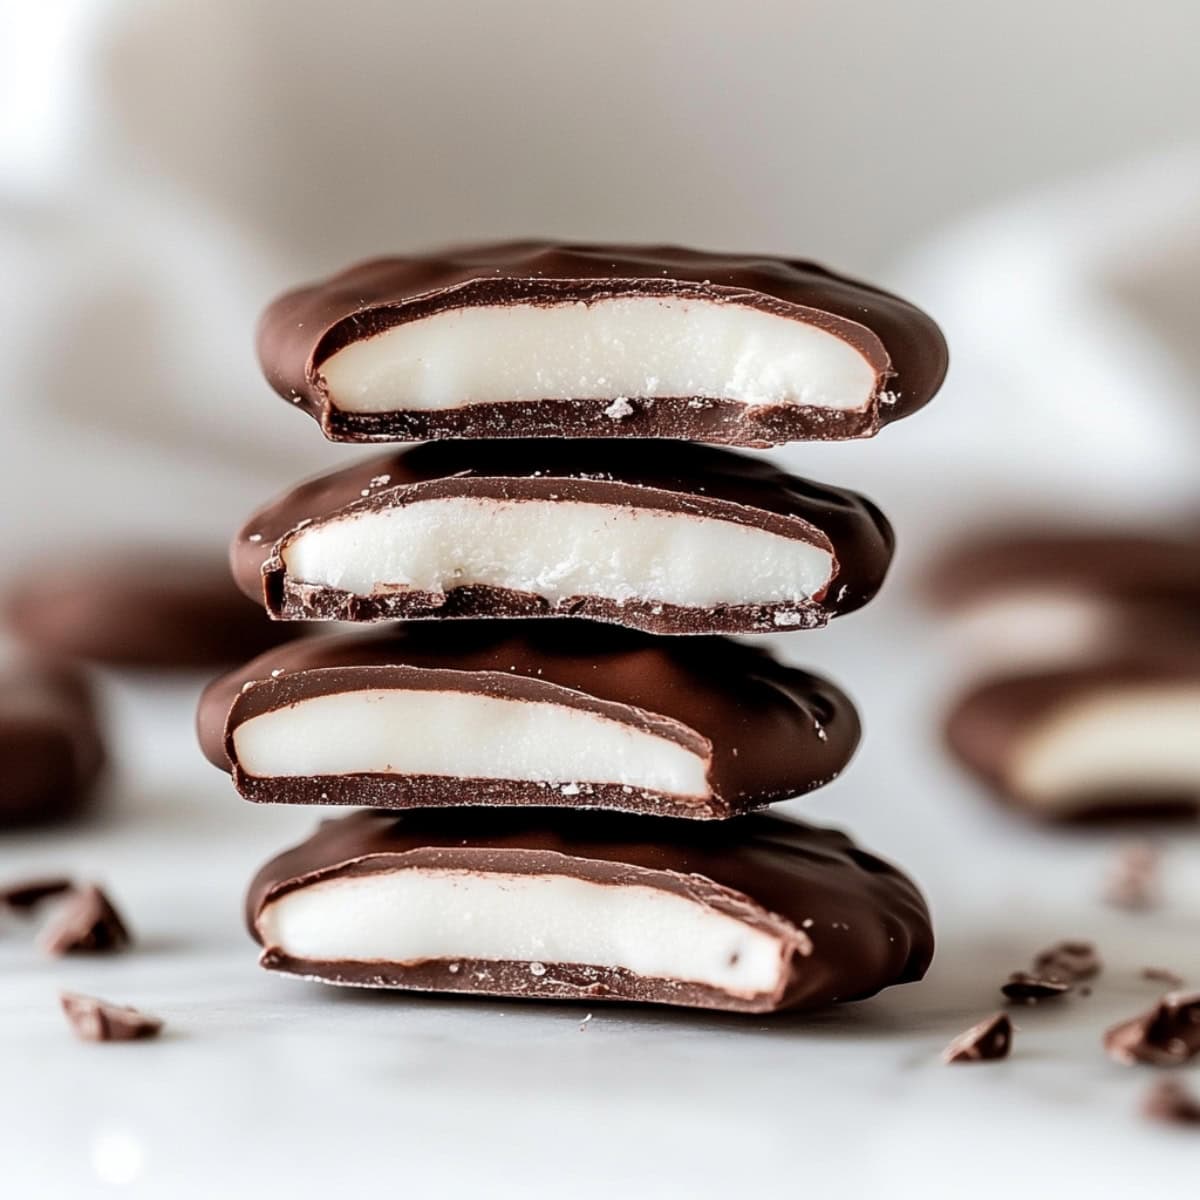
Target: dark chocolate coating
x=691, y=480
x=987, y=725
x=852, y=923
x=1122, y=566
x=51, y=748
x=303, y=328
x=156, y=609
x=772, y=731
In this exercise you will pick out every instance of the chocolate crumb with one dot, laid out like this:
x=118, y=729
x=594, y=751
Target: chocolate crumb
x=29, y=893
x=989, y=1040
x=1027, y=988
x=1169, y=1101
x=88, y=924
x=1165, y=1036
x=1068, y=961
x=1133, y=884
x=1163, y=975
x=98, y=1021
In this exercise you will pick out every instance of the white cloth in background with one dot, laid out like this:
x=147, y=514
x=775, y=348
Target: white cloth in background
x=136, y=252
x=1073, y=318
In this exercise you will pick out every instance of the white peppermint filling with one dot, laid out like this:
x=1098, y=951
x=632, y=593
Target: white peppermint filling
x=462, y=735
x=631, y=348
x=1031, y=628
x=416, y=914
x=556, y=549
x=1125, y=742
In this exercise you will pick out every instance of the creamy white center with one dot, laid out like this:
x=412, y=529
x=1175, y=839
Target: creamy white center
x=625, y=348
x=462, y=734
x=556, y=549
x=1031, y=628
x=1131, y=740
x=417, y=914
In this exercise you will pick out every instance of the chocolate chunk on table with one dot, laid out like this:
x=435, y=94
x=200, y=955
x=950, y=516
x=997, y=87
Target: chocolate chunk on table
x=1172, y=1103
x=88, y=923
x=26, y=894
x=987, y=1041
x=1026, y=987
x=1168, y=1035
x=96, y=1020
x=1071, y=960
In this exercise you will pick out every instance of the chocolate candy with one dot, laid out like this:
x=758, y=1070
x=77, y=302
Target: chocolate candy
x=142, y=609
x=659, y=536
x=1054, y=597
x=51, y=751
x=1116, y=739
x=759, y=915
x=530, y=339
x=1119, y=565
x=526, y=713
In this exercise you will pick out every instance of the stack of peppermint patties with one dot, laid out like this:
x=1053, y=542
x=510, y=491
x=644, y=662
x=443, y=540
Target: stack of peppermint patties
x=557, y=752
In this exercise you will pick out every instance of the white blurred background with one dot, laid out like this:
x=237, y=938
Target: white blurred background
x=1028, y=170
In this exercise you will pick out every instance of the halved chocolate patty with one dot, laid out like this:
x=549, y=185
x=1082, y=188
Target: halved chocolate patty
x=570, y=714
x=532, y=339
x=758, y=915
x=664, y=537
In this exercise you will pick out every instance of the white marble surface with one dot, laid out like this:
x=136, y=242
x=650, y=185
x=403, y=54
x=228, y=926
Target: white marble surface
x=263, y=1085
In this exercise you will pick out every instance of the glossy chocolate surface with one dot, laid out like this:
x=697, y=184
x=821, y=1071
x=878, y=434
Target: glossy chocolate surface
x=1123, y=566
x=851, y=923
x=690, y=480
x=770, y=731
x=988, y=724
x=305, y=327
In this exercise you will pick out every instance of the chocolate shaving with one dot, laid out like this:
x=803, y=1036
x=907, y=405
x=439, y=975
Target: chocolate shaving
x=989, y=1040
x=27, y=894
x=1134, y=881
x=1068, y=961
x=88, y=924
x=1165, y=1036
x=1163, y=975
x=1027, y=988
x=1169, y=1101
x=96, y=1020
